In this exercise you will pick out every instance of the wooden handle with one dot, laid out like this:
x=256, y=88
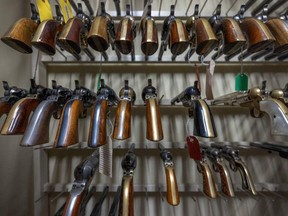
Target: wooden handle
x=126, y=204
x=98, y=37
x=69, y=39
x=37, y=131
x=257, y=33
x=226, y=183
x=125, y=36
x=172, y=187
x=209, y=187
x=67, y=132
x=5, y=107
x=179, y=39
x=153, y=119
x=233, y=37
x=45, y=36
x=149, y=43
x=122, y=124
x=19, y=36
x=206, y=39
x=18, y=117
x=279, y=29
x=72, y=206
x=97, y=131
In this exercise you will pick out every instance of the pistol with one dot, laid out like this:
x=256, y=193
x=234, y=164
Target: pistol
x=18, y=116
x=45, y=37
x=218, y=165
x=154, y=130
x=81, y=100
x=129, y=163
x=37, y=131
x=126, y=33
x=11, y=96
x=149, y=42
x=237, y=164
x=202, y=35
x=204, y=125
x=79, y=194
x=114, y=205
x=259, y=102
x=97, y=208
x=122, y=124
x=19, y=36
x=171, y=180
x=97, y=132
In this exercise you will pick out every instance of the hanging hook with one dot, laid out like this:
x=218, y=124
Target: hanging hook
x=201, y=60
x=231, y=7
x=189, y=5
x=203, y=6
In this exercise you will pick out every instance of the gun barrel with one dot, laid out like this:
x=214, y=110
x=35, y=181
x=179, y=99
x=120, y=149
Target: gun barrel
x=114, y=206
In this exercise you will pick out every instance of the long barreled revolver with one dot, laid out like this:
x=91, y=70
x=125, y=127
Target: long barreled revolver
x=97, y=132
x=81, y=100
x=237, y=164
x=122, y=124
x=37, y=131
x=218, y=164
x=171, y=180
x=204, y=125
x=83, y=174
x=154, y=130
x=18, y=116
x=11, y=95
x=129, y=163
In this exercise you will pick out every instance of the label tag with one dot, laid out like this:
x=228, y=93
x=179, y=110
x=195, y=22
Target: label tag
x=66, y=9
x=241, y=82
x=193, y=148
x=44, y=9
x=209, y=80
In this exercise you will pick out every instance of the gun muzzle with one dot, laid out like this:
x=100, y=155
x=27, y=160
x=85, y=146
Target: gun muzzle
x=46, y=35
x=19, y=36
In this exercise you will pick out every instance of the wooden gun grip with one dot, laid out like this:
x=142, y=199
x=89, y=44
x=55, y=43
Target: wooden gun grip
x=19, y=36
x=5, y=107
x=97, y=132
x=72, y=206
x=126, y=204
x=149, y=42
x=67, y=132
x=226, y=183
x=257, y=33
x=233, y=37
x=125, y=36
x=206, y=39
x=279, y=29
x=37, y=131
x=153, y=119
x=18, y=117
x=45, y=36
x=179, y=39
x=209, y=187
x=122, y=124
x=172, y=187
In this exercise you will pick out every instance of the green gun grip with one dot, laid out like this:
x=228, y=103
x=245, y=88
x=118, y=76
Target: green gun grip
x=241, y=82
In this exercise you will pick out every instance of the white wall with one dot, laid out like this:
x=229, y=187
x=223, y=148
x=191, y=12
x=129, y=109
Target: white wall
x=15, y=162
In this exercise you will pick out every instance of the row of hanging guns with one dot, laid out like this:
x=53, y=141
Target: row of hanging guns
x=205, y=156
x=70, y=105
x=228, y=36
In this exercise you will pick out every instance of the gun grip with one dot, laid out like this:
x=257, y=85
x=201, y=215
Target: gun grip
x=73, y=205
x=67, y=132
x=125, y=36
x=4, y=108
x=226, y=183
x=122, y=124
x=126, y=204
x=37, y=131
x=97, y=132
x=153, y=119
x=278, y=113
x=209, y=187
x=172, y=187
x=18, y=117
x=204, y=125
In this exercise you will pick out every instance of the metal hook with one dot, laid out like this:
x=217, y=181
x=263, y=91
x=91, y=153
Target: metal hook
x=231, y=7
x=189, y=5
x=201, y=60
x=61, y=53
x=203, y=7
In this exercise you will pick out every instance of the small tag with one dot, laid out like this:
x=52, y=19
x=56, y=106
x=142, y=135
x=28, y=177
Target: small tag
x=198, y=77
x=66, y=9
x=44, y=9
x=193, y=148
x=241, y=82
x=105, y=158
x=209, y=80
